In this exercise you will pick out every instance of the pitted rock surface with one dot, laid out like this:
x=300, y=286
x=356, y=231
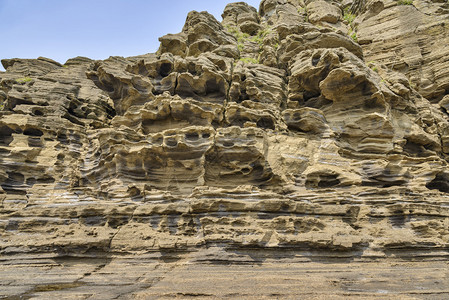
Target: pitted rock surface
x=298, y=132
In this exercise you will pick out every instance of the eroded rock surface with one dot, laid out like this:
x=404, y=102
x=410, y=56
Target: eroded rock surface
x=297, y=128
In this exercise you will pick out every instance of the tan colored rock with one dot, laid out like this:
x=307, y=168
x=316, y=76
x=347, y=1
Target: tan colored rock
x=243, y=16
x=258, y=83
x=322, y=11
x=409, y=39
x=306, y=120
x=173, y=43
x=30, y=67
x=270, y=140
x=280, y=12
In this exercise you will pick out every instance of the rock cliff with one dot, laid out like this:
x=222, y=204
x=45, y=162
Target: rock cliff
x=316, y=130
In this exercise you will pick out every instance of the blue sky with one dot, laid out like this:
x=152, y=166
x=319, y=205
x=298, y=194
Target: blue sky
x=61, y=29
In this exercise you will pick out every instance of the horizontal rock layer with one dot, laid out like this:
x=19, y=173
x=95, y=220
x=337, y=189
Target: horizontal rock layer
x=297, y=128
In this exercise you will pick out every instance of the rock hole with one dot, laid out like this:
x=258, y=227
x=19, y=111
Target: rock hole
x=265, y=123
x=246, y=171
x=212, y=86
x=6, y=135
x=383, y=183
x=46, y=180
x=440, y=182
x=315, y=60
x=192, y=136
x=415, y=149
x=16, y=178
x=310, y=94
x=115, y=222
x=322, y=180
x=285, y=207
x=11, y=191
x=62, y=138
x=258, y=172
x=243, y=96
x=192, y=69
x=37, y=112
x=165, y=69
x=34, y=142
x=171, y=142
x=206, y=135
x=328, y=181
x=32, y=132
x=107, y=84
x=31, y=181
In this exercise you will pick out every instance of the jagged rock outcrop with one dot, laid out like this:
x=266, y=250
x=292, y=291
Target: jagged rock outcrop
x=295, y=130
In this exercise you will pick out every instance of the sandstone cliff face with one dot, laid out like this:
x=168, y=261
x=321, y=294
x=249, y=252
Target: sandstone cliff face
x=297, y=126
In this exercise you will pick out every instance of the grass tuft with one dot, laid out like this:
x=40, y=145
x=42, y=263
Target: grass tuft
x=249, y=60
x=348, y=17
x=23, y=80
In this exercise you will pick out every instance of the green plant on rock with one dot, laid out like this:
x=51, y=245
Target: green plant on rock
x=372, y=66
x=249, y=60
x=353, y=35
x=261, y=35
x=405, y=2
x=258, y=39
x=244, y=37
x=349, y=17
x=303, y=11
x=2, y=106
x=240, y=36
x=23, y=79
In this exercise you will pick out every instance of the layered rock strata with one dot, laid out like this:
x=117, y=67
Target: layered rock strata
x=297, y=127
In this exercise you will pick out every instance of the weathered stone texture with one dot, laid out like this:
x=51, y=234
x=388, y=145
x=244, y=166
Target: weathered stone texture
x=273, y=132
x=411, y=39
